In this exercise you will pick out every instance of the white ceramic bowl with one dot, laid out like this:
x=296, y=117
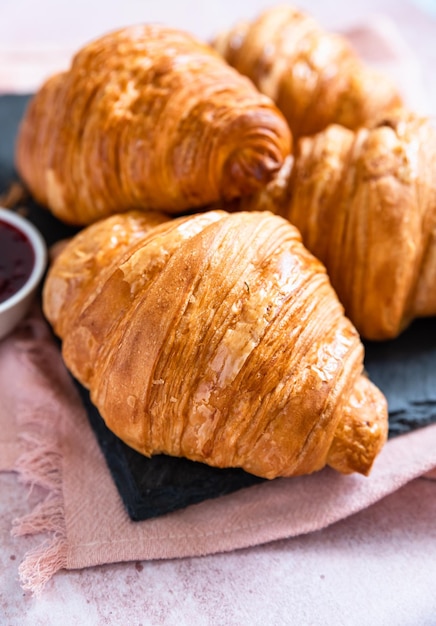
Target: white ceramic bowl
x=16, y=306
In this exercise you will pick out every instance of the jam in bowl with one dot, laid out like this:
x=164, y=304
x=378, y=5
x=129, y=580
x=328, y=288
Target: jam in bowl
x=23, y=258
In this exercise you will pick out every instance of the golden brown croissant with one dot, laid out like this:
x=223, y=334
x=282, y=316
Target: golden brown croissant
x=147, y=117
x=314, y=76
x=216, y=337
x=365, y=204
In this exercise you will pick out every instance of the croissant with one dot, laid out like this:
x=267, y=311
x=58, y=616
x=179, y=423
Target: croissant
x=216, y=337
x=314, y=76
x=147, y=117
x=365, y=204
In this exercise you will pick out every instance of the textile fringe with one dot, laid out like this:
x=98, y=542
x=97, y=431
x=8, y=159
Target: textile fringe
x=42, y=563
x=41, y=464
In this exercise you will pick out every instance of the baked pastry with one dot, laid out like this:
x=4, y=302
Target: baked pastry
x=215, y=337
x=315, y=77
x=365, y=204
x=147, y=117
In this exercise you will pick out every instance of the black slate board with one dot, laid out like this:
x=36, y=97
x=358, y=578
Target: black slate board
x=404, y=369
x=161, y=484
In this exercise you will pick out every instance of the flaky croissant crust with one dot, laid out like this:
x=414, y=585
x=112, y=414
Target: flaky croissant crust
x=216, y=337
x=365, y=204
x=314, y=76
x=147, y=117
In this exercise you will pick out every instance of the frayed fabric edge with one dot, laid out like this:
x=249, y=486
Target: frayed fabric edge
x=41, y=563
x=41, y=464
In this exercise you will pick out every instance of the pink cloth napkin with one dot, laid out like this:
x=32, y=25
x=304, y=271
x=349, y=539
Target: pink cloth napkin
x=45, y=436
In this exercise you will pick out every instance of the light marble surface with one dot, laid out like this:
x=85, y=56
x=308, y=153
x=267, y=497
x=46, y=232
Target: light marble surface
x=376, y=568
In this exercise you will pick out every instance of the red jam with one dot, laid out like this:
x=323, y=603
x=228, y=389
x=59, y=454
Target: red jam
x=16, y=260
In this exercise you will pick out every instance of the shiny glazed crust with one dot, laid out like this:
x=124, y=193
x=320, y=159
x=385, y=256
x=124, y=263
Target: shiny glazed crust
x=147, y=117
x=314, y=76
x=365, y=204
x=216, y=337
